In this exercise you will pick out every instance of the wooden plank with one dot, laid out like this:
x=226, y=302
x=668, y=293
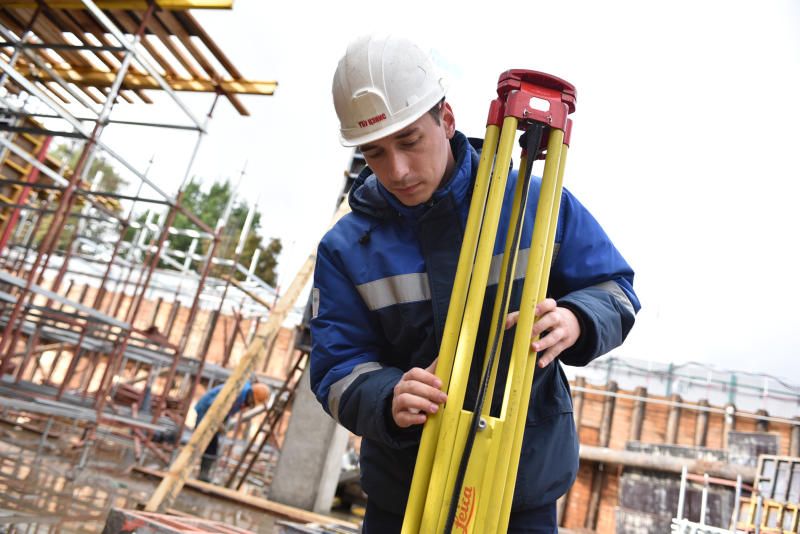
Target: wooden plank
x=93, y=28
x=282, y=510
x=143, y=96
x=47, y=33
x=249, y=293
x=92, y=78
x=140, y=5
x=176, y=28
x=199, y=31
x=11, y=22
x=129, y=25
x=169, y=22
x=66, y=24
x=155, y=26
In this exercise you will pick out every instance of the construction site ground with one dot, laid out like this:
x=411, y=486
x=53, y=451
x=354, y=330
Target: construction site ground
x=43, y=489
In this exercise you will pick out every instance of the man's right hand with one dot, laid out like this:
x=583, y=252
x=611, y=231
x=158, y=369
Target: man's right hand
x=416, y=395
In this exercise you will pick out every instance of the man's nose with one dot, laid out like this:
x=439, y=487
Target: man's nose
x=398, y=166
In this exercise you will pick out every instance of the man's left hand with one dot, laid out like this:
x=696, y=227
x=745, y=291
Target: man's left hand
x=560, y=327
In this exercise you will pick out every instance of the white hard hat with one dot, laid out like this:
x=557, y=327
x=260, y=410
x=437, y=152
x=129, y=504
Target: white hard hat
x=383, y=84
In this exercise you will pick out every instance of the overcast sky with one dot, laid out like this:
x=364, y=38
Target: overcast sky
x=685, y=143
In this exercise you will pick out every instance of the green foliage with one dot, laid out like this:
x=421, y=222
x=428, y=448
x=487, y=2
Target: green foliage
x=111, y=182
x=209, y=207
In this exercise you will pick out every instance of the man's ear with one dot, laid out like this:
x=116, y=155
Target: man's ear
x=448, y=120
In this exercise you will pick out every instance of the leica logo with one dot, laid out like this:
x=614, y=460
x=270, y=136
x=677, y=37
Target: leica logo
x=466, y=508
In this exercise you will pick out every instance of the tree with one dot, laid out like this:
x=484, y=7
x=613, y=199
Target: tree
x=209, y=207
x=111, y=182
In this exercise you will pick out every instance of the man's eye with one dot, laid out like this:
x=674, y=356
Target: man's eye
x=410, y=142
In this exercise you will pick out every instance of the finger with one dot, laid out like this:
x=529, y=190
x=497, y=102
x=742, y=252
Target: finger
x=406, y=419
x=511, y=319
x=418, y=374
x=421, y=390
x=407, y=402
x=547, y=305
x=549, y=321
x=550, y=354
x=549, y=340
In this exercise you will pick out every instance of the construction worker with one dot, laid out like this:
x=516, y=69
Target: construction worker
x=251, y=395
x=385, y=272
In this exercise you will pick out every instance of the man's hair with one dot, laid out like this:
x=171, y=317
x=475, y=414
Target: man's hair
x=436, y=111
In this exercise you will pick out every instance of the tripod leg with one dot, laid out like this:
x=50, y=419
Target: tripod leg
x=430, y=434
x=539, y=272
x=451, y=442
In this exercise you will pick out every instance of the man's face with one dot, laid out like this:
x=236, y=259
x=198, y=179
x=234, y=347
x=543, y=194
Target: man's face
x=411, y=163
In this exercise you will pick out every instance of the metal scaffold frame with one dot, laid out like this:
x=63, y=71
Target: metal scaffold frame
x=83, y=357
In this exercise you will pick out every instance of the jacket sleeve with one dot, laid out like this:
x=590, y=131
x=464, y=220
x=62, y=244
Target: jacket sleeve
x=347, y=375
x=591, y=278
x=238, y=404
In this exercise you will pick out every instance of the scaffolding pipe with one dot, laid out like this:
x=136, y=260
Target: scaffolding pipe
x=23, y=196
x=110, y=121
x=275, y=418
x=50, y=72
x=25, y=36
x=200, y=134
x=184, y=340
x=179, y=470
x=131, y=48
x=242, y=239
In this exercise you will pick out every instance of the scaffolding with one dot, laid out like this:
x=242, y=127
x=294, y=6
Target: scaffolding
x=112, y=334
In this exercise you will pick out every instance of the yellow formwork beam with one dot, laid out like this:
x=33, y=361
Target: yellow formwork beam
x=139, y=5
x=133, y=81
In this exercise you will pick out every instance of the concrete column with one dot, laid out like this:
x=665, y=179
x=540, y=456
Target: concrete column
x=577, y=408
x=701, y=426
x=577, y=401
x=794, y=441
x=637, y=420
x=674, y=420
x=311, y=457
x=729, y=425
x=597, y=476
x=762, y=425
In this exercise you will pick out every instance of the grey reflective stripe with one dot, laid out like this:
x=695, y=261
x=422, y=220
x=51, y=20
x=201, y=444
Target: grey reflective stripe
x=497, y=263
x=415, y=287
x=619, y=295
x=337, y=390
x=398, y=289
x=522, y=265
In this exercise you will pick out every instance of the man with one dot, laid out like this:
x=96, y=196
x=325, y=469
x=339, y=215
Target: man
x=385, y=272
x=251, y=395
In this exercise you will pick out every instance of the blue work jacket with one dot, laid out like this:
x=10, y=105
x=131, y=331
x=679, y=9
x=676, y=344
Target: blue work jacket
x=205, y=402
x=382, y=285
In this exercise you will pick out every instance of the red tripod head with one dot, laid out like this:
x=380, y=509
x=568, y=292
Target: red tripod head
x=532, y=96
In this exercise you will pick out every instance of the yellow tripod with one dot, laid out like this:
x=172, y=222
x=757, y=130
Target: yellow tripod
x=467, y=462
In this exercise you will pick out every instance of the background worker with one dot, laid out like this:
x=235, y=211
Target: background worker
x=251, y=395
x=385, y=272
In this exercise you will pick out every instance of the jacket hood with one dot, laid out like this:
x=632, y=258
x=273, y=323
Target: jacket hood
x=369, y=197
